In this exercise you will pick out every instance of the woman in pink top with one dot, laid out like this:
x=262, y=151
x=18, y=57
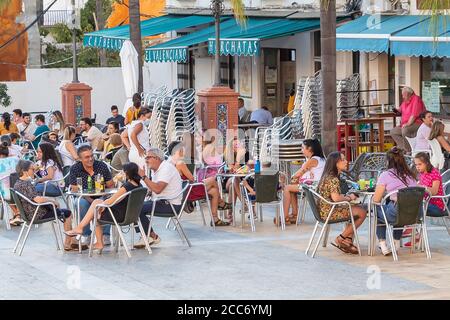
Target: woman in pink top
x=410, y=110
x=396, y=177
x=431, y=179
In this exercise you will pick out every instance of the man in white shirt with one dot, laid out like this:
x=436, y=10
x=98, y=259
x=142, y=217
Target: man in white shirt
x=424, y=131
x=92, y=133
x=165, y=183
x=26, y=128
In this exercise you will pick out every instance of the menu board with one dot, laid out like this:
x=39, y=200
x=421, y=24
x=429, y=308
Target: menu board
x=431, y=95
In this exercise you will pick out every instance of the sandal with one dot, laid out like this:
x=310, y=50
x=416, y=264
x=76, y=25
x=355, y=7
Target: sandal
x=286, y=221
x=344, y=246
x=220, y=223
x=353, y=248
x=225, y=206
x=293, y=219
x=16, y=220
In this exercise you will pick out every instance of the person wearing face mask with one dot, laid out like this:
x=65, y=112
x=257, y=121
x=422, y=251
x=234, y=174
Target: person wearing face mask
x=139, y=138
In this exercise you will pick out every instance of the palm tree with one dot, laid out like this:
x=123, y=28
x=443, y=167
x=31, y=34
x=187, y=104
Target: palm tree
x=328, y=66
x=135, y=36
x=100, y=17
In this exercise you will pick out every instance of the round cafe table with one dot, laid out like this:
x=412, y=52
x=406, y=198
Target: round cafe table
x=78, y=195
x=233, y=177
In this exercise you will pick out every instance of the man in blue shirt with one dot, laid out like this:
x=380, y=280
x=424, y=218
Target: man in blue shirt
x=262, y=116
x=116, y=117
x=41, y=128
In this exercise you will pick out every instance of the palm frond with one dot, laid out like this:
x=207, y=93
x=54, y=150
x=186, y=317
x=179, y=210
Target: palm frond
x=238, y=8
x=438, y=10
x=4, y=4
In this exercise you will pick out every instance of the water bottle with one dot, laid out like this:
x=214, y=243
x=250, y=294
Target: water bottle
x=257, y=166
x=89, y=184
x=371, y=183
x=102, y=183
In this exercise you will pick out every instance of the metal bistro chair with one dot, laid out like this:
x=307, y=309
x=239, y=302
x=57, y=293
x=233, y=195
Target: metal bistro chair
x=174, y=215
x=266, y=189
x=410, y=203
x=446, y=214
x=414, y=151
x=29, y=223
x=446, y=176
x=311, y=196
x=134, y=206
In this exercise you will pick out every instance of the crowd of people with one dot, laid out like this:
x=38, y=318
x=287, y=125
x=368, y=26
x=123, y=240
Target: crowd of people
x=120, y=151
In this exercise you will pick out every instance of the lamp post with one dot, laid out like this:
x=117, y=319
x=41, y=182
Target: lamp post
x=73, y=25
x=217, y=8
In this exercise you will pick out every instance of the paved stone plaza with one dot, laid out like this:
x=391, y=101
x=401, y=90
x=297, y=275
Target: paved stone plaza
x=230, y=263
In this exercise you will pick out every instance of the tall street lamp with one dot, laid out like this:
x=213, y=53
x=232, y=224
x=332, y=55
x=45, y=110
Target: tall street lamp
x=217, y=8
x=74, y=24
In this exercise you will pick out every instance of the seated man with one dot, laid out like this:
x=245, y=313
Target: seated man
x=88, y=167
x=243, y=113
x=116, y=117
x=92, y=133
x=410, y=110
x=165, y=183
x=262, y=116
x=40, y=129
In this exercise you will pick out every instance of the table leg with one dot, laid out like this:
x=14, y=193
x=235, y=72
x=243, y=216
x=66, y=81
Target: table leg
x=233, y=202
x=369, y=247
x=78, y=222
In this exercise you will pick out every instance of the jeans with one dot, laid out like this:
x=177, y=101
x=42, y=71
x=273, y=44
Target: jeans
x=434, y=211
x=160, y=207
x=51, y=191
x=390, y=210
x=84, y=207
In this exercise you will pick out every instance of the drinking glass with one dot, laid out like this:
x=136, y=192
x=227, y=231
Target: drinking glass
x=80, y=184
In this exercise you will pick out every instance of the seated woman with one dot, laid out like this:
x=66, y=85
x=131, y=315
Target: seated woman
x=113, y=145
x=234, y=155
x=25, y=171
x=67, y=149
x=396, y=177
x=311, y=170
x=437, y=134
x=211, y=155
x=14, y=151
x=176, y=151
x=48, y=167
x=431, y=179
x=133, y=181
x=112, y=128
x=330, y=188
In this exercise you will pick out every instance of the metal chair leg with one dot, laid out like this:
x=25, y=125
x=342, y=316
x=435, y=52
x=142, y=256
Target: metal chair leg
x=25, y=239
x=312, y=237
x=201, y=212
x=318, y=241
x=20, y=237
x=56, y=236
x=178, y=225
x=325, y=238
x=141, y=230
x=210, y=213
x=122, y=238
x=390, y=235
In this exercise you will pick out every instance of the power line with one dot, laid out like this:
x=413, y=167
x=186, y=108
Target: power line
x=14, y=38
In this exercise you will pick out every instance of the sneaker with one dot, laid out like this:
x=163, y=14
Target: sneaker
x=384, y=248
x=141, y=244
x=106, y=240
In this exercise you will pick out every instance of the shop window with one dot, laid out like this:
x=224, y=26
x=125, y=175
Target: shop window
x=227, y=71
x=401, y=72
x=435, y=85
x=317, y=51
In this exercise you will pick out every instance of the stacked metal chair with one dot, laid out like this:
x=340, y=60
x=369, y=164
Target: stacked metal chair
x=310, y=104
x=347, y=97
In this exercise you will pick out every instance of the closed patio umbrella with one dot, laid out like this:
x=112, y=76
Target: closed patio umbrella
x=129, y=63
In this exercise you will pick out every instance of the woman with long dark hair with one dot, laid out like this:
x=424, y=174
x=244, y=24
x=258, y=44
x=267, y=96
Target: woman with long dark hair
x=48, y=167
x=6, y=126
x=311, y=170
x=57, y=122
x=330, y=188
x=133, y=180
x=396, y=177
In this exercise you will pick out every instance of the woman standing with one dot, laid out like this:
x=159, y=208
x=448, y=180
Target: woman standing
x=311, y=170
x=48, y=168
x=139, y=138
x=396, y=177
x=67, y=149
x=329, y=188
x=6, y=126
x=57, y=122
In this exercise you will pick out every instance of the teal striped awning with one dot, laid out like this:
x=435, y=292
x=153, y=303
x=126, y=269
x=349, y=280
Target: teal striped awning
x=371, y=33
x=418, y=40
x=235, y=39
x=113, y=38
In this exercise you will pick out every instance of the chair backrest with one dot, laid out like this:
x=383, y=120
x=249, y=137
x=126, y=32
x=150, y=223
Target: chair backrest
x=134, y=206
x=312, y=202
x=412, y=142
x=409, y=202
x=375, y=161
x=437, y=157
x=266, y=187
x=19, y=205
x=446, y=176
x=354, y=171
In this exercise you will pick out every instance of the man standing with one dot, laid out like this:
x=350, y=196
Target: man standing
x=424, y=131
x=262, y=116
x=165, y=183
x=243, y=113
x=26, y=128
x=92, y=133
x=116, y=117
x=85, y=168
x=410, y=110
x=41, y=128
